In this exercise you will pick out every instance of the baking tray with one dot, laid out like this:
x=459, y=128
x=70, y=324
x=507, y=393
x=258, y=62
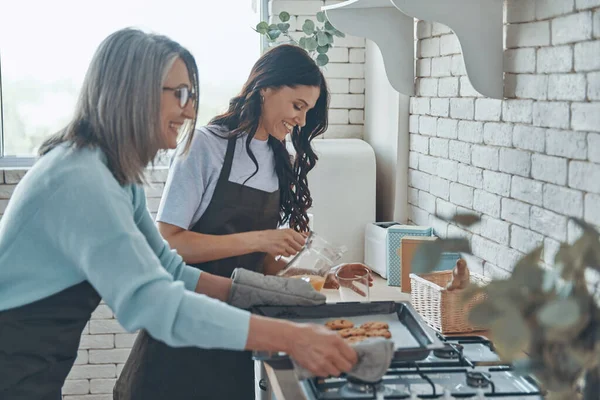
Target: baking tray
x=412, y=339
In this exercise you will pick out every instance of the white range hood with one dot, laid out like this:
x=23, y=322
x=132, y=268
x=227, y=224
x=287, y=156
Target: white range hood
x=478, y=25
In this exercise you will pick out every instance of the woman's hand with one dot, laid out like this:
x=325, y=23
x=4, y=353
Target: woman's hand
x=279, y=242
x=348, y=271
x=321, y=351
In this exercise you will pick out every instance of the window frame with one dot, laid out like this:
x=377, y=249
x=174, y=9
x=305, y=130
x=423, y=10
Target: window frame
x=7, y=162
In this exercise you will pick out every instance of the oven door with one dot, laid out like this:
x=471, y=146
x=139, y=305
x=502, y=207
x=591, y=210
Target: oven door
x=262, y=387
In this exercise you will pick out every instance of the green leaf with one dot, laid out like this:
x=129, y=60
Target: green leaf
x=308, y=27
x=483, y=314
x=560, y=313
x=322, y=39
x=284, y=16
x=329, y=38
x=321, y=17
x=302, y=42
x=511, y=334
x=339, y=34
x=274, y=34
x=328, y=27
x=262, y=28
x=322, y=60
x=527, y=272
x=466, y=219
x=311, y=44
x=456, y=245
x=283, y=27
x=323, y=49
x=426, y=257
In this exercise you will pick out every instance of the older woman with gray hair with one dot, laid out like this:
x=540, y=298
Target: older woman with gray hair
x=77, y=230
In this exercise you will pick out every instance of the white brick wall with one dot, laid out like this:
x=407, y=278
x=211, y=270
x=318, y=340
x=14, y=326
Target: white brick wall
x=525, y=163
x=345, y=72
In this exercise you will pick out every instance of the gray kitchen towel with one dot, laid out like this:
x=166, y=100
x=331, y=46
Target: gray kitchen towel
x=374, y=358
x=250, y=288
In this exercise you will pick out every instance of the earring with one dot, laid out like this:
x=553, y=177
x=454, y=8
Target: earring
x=262, y=99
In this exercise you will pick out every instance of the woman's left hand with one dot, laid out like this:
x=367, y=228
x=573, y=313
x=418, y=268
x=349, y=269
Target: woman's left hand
x=347, y=271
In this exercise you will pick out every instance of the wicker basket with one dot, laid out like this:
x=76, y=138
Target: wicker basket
x=441, y=309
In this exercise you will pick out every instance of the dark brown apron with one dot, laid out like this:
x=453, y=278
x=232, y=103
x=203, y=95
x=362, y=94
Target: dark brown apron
x=39, y=342
x=157, y=371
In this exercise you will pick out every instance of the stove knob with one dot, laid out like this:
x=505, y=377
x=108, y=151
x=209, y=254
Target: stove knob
x=262, y=384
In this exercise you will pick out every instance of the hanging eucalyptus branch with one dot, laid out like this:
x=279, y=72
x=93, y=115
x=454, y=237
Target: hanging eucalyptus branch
x=551, y=313
x=317, y=40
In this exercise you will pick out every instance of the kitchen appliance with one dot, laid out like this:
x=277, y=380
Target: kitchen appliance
x=412, y=338
x=342, y=186
x=466, y=367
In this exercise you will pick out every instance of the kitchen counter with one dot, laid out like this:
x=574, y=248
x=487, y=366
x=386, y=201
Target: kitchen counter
x=283, y=383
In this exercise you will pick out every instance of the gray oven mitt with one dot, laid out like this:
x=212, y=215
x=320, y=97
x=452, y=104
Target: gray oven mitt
x=251, y=289
x=374, y=358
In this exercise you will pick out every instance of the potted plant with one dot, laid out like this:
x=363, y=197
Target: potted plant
x=317, y=38
x=550, y=312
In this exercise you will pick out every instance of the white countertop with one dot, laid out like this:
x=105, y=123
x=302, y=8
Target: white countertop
x=380, y=291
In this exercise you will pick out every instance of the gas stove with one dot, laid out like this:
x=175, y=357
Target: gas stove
x=466, y=368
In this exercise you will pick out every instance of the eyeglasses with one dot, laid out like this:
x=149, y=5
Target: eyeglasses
x=183, y=94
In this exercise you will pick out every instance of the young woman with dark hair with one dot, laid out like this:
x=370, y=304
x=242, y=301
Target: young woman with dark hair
x=221, y=207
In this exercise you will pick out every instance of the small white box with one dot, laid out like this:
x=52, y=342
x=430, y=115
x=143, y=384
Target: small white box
x=375, y=246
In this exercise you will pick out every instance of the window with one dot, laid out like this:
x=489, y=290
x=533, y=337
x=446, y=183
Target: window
x=44, y=56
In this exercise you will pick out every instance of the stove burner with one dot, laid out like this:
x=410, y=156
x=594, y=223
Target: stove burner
x=478, y=379
x=449, y=352
x=355, y=388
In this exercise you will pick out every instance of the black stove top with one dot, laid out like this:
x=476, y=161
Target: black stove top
x=467, y=367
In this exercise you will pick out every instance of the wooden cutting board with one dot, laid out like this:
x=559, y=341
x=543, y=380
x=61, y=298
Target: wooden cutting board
x=406, y=252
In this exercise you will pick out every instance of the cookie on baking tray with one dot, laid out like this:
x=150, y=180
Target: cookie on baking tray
x=338, y=324
x=355, y=339
x=379, y=333
x=345, y=333
x=374, y=325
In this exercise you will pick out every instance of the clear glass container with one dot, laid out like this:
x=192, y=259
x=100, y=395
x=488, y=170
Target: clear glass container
x=314, y=261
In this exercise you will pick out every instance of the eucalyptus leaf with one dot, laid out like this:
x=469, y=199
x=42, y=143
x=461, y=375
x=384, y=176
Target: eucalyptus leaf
x=284, y=16
x=272, y=27
x=426, y=257
x=262, y=27
x=527, y=271
x=456, y=245
x=339, y=34
x=322, y=39
x=329, y=38
x=323, y=49
x=483, y=314
x=274, y=34
x=302, y=42
x=511, y=334
x=462, y=219
x=328, y=27
x=560, y=313
x=321, y=17
x=308, y=27
x=311, y=44
x=322, y=60
x=283, y=27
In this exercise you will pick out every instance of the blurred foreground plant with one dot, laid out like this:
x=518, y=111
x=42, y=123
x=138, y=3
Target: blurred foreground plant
x=551, y=313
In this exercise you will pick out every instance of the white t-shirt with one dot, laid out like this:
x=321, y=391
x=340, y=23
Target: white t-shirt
x=193, y=177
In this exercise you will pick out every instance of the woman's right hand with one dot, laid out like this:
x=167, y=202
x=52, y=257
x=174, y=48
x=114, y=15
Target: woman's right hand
x=320, y=350
x=279, y=242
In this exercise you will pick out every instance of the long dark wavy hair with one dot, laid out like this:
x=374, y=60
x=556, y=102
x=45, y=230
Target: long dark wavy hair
x=283, y=65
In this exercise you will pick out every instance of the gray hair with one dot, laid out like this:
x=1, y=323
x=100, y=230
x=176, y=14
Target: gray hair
x=118, y=109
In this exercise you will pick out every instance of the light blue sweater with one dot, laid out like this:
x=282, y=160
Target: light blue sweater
x=69, y=221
